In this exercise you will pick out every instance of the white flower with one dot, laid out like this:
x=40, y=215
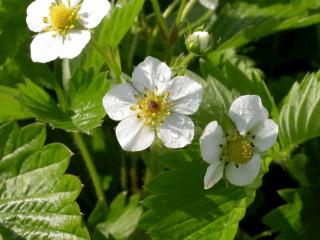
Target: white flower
x=210, y=4
x=238, y=155
x=62, y=26
x=198, y=42
x=153, y=106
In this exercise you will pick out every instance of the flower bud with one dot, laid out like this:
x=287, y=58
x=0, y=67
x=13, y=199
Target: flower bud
x=198, y=42
x=210, y=4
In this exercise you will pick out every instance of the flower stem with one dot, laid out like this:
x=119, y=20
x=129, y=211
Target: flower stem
x=181, y=8
x=162, y=24
x=112, y=59
x=187, y=9
x=66, y=73
x=90, y=166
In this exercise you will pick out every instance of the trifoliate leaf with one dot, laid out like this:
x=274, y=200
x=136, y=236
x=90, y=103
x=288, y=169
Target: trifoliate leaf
x=122, y=217
x=36, y=198
x=299, y=116
x=85, y=111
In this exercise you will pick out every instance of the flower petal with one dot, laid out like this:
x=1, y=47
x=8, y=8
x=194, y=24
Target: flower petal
x=92, y=12
x=118, y=100
x=72, y=3
x=213, y=175
x=244, y=174
x=36, y=11
x=151, y=73
x=265, y=135
x=210, y=142
x=177, y=131
x=247, y=111
x=45, y=47
x=186, y=94
x=133, y=135
x=74, y=42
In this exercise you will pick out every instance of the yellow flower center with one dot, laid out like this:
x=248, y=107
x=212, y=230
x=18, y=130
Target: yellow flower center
x=152, y=108
x=62, y=18
x=240, y=150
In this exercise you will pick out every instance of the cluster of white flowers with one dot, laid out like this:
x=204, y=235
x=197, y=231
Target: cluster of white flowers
x=63, y=26
x=156, y=105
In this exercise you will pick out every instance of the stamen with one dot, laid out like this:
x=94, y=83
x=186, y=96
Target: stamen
x=152, y=108
x=63, y=18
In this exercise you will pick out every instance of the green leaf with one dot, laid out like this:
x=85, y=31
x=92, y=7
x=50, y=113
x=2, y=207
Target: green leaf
x=299, y=116
x=299, y=218
x=36, y=198
x=122, y=217
x=241, y=22
x=215, y=103
x=13, y=30
x=119, y=21
x=179, y=207
x=238, y=74
x=10, y=106
x=85, y=96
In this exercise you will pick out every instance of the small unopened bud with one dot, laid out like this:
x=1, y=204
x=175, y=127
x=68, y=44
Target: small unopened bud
x=198, y=42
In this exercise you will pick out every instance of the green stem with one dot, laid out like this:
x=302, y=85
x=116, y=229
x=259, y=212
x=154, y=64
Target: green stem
x=66, y=73
x=197, y=23
x=170, y=9
x=187, y=9
x=181, y=10
x=112, y=59
x=162, y=24
x=186, y=61
x=90, y=166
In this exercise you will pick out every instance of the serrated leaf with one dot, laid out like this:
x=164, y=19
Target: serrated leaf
x=241, y=22
x=122, y=217
x=299, y=218
x=10, y=106
x=181, y=209
x=36, y=198
x=299, y=116
x=85, y=95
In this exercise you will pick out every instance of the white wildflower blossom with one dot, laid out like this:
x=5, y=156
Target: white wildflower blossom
x=238, y=155
x=63, y=26
x=154, y=105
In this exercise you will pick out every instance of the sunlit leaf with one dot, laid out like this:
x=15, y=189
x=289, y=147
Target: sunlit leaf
x=36, y=198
